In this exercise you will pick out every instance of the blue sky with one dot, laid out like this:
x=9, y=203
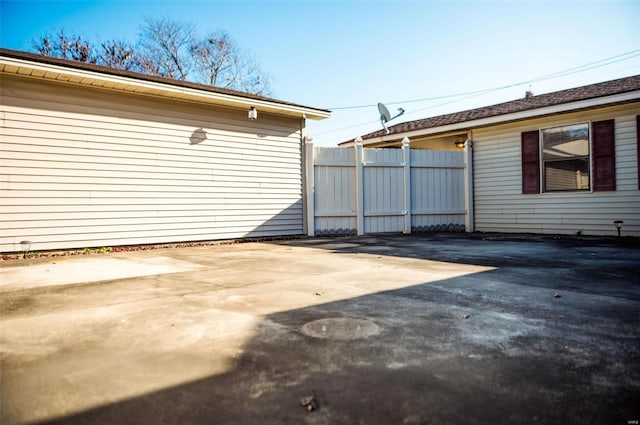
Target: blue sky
x=332, y=54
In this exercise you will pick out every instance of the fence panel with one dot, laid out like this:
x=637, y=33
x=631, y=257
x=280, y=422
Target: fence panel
x=383, y=191
x=335, y=191
x=437, y=190
x=432, y=180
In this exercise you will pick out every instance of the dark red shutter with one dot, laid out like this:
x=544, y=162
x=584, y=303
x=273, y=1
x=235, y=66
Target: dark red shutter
x=604, y=155
x=530, y=161
x=638, y=145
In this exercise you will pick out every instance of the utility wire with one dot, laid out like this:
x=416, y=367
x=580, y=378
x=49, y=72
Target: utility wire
x=412, y=112
x=570, y=71
x=472, y=94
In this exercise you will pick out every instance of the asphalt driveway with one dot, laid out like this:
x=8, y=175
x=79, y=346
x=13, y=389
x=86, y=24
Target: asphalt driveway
x=437, y=329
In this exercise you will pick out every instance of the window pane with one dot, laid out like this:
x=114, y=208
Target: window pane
x=570, y=174
x=565, y=142
x=565, y=158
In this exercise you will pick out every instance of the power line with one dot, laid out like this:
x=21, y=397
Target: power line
x=412, y=112
x=472, y=94
x=570, y=71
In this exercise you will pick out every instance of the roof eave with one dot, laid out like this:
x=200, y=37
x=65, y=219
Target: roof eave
x=83, y=77
x=514, y=116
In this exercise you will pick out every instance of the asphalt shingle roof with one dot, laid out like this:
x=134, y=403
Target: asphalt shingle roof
x=592, y=91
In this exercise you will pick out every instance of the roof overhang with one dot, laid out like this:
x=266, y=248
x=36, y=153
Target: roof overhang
x=511, y=117
x=83, y=77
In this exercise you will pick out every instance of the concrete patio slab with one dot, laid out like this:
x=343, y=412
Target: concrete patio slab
x=67, y=271
x=377, y=330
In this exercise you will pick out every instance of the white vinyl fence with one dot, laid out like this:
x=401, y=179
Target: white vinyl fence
x=359, y=191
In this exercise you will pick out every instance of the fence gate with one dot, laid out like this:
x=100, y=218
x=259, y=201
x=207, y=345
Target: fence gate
x=360, y=191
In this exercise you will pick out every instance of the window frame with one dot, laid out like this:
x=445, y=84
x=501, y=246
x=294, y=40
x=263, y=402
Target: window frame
x=542, y=161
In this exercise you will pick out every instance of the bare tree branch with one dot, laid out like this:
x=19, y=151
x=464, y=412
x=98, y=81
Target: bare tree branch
x=118, y=54
x=168, y=48
x=66, y=47
x=219, y=61
x=164, y=46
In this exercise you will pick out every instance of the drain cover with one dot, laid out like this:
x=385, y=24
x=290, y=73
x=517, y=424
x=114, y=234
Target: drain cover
x=340, y=328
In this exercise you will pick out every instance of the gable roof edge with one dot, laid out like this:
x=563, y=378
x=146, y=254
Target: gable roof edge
x=30, y=66
x=511, y=117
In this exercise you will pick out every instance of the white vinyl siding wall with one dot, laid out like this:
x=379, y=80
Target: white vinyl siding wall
x=500, y=205
x=89, y=168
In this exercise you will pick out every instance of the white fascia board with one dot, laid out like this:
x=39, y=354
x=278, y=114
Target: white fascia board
x=89, y=78
x=515, y=116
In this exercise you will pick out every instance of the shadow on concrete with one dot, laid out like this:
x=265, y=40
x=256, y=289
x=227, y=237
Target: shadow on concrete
x=546, y=261
x=489, y=348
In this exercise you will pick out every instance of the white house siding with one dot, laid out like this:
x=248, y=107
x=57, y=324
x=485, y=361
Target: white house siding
x=87, y=167
x=500, y=205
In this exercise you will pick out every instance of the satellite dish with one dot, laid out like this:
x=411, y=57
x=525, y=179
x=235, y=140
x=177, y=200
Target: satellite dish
x=384, y=113
x=385, y=116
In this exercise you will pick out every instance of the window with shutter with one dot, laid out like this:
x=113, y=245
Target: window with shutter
x=560, y=159
x=604, y=155
x=565, y=158
x=530, y=162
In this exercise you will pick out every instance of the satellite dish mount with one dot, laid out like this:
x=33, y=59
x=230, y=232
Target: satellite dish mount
x=385, y=116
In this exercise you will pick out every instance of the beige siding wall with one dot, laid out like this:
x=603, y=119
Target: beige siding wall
x=501, y=207
x=89, y=168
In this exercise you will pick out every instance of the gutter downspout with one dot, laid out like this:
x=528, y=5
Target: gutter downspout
x=469, y=220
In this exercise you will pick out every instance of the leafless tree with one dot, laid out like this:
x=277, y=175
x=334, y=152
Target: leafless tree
x=118, y=54
x=164, y=48
x=170, y=49
x=219, y=61
x=67, y=47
